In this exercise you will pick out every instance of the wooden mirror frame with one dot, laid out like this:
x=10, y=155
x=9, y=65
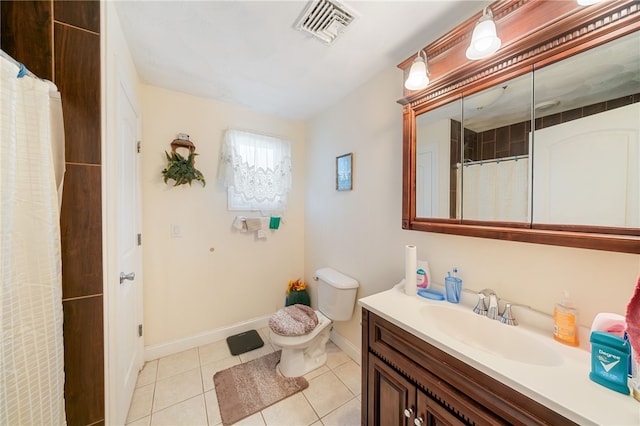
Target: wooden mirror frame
x=529, y=37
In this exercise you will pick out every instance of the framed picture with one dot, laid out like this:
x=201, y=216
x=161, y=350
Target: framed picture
x=344, y=169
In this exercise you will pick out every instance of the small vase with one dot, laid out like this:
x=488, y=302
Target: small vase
x=300, y=297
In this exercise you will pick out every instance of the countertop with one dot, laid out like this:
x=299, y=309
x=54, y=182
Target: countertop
x=564, y=388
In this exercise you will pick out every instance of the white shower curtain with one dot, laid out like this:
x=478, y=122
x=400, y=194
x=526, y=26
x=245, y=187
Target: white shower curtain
x=496, y=191
x=31, y=346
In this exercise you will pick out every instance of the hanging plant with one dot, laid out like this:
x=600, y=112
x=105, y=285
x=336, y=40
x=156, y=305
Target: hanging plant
x=181, y=169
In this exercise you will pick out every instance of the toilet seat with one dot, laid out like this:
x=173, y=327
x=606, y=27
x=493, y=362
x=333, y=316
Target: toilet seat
x=294, y=341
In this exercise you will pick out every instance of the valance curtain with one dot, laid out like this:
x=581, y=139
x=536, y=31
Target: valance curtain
x=256, y=169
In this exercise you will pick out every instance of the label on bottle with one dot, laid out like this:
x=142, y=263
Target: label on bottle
x=564, y=329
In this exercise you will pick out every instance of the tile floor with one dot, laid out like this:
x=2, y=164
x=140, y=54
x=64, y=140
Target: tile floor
x=179, y=390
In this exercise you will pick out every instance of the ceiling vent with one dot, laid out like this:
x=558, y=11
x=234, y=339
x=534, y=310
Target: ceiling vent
x=325, y=19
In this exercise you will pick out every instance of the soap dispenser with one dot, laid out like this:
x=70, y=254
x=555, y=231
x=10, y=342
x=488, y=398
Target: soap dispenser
x=565, y=322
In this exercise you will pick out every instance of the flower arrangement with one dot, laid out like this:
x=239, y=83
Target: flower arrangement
x=297, y=293
x=296, y=285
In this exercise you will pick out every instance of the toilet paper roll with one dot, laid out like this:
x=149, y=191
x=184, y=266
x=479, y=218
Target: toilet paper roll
x=410, y=260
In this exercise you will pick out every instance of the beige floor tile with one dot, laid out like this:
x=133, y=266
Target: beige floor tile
x=191, y=412
x=213, y=409
x=318, y=423
x=145, y=421
x=214, y=351
x=256, y=353
x=148, y=373
x=176, y=389
x=317, y=372
x=326, y=393
x=141, y=403
x=335, y=356
x=208, y=370
x=177, y=363
x=294, y=410
x=253, y=420
x=349, y=373
x=346, y=415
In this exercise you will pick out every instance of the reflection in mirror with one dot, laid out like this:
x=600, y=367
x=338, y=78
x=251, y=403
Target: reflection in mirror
x=495, y=171
x=437, y=153
x=586, y=139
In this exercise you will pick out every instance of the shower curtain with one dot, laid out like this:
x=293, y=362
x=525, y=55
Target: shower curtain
x=31, y=346
x=496, y=191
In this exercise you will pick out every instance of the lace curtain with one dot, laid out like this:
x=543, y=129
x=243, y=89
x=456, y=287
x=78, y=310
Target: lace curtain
x=256, y=170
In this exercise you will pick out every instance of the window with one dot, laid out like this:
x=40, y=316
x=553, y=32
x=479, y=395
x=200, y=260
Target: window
x=256, y=169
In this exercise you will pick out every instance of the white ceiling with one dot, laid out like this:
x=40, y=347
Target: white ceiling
x=248, y=53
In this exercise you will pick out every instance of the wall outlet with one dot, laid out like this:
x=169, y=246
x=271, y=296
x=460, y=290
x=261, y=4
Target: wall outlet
x=176, y=231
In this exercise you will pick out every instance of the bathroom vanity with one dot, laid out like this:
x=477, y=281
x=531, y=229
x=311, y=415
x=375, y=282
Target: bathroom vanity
x=464, y=369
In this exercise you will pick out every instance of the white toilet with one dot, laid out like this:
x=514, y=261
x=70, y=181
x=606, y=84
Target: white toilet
x=336, y=298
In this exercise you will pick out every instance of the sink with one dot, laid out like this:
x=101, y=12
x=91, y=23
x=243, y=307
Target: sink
x=491, y=336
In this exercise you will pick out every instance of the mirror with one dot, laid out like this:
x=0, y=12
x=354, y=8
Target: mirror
x=438, y=142
x=474, y=166
x=586, y=149
x=495, y=170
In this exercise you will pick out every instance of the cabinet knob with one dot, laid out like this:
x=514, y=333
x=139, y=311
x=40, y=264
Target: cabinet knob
x=418, y=421
x=408, y=412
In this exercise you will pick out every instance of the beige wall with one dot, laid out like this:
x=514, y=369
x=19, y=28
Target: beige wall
x=359, y=232
x=212, y=276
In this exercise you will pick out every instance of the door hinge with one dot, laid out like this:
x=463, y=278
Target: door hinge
x=138, y=146
x=139, y=239
x=139, y=330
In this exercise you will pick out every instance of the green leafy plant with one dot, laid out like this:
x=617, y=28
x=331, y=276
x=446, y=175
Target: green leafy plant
x=182, y=169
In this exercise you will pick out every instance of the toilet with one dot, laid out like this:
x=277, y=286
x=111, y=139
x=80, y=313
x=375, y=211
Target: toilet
x=336, y=298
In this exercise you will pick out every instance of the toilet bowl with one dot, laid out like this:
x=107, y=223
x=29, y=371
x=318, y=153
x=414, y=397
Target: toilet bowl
x=336, y=299
x=301, y=354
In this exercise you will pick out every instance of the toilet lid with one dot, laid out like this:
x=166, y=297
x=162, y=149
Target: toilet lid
x=294, y=320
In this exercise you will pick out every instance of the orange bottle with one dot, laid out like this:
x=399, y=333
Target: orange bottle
x=565, y=322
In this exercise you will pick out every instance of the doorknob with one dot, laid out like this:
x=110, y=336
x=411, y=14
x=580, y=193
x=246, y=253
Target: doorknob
x=129, y=276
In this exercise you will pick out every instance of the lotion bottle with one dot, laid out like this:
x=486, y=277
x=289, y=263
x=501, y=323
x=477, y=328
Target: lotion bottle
x=565, y=322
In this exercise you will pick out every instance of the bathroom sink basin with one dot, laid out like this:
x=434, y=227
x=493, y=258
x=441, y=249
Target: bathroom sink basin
x=501, y=340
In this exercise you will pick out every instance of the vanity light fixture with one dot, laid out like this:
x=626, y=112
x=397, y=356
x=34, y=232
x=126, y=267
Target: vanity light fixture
x=484, y=40
x=419, y=73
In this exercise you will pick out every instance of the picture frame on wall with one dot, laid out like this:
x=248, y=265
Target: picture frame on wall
x=344, y=172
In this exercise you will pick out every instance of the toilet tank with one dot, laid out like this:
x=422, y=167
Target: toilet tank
x=336, y=294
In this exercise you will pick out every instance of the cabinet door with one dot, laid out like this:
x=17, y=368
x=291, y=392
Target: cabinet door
x=430, y=413
x=388, y=395
x=454, y=412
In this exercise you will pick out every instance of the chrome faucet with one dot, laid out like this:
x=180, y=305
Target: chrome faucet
x=493, y=310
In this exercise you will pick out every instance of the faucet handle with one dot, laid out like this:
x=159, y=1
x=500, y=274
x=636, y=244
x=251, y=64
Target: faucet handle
x=507, y=316
x=481, y=308
x=492, y=311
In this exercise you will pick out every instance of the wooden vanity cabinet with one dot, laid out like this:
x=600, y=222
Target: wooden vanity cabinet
x=406, y=381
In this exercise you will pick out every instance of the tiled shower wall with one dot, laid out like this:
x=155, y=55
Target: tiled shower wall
x=513, y=140
x=60, y=41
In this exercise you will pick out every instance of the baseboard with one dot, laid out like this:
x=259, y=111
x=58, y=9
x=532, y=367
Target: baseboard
x=164, y=349
x=347, y=347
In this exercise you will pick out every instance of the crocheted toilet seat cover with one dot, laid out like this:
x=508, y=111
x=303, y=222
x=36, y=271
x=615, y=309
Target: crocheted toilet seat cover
x=294, y=320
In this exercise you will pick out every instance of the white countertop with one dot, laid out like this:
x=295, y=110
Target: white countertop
x=565, y=388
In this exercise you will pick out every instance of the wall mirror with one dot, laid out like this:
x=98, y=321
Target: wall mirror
x=546, y=150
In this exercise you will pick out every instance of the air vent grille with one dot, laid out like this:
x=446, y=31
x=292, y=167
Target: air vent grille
x=325, y=20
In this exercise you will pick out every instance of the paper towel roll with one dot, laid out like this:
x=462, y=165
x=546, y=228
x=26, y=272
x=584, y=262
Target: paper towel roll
x=410, y=260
